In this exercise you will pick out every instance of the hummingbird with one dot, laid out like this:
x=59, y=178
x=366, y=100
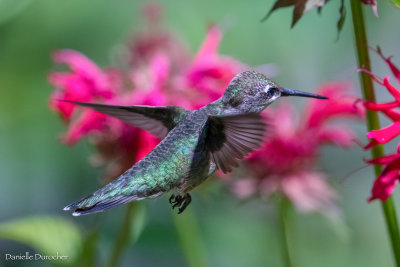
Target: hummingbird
x=194, y=143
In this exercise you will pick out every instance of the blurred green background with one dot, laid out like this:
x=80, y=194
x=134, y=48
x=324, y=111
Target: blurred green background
x=39, y=175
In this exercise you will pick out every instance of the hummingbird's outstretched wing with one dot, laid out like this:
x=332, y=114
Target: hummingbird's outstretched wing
x=156, y=120
x=231, y=138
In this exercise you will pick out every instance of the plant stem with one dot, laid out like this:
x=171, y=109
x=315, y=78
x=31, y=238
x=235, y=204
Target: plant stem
x=284, y=208
x=373, y=120
x=123, y=235
x=88, y=254
x=190, y=238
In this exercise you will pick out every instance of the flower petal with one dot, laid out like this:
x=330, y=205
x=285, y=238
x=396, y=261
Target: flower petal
x=88, y=121
x=78, y=63
x=244, y=187
x=371, y=143
x=395, y=93
x=392, y=114
x=210, y=45
x=284, y=119
x=309, y=192
x=378, y=107
x=385, y=184
x=339, y=135
x=386, y=134
x=339, y=104
x=393, y=68
x=85, y=71
x=384, y=159
x=376, y=78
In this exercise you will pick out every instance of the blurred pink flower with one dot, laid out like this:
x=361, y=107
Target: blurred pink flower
x=158, y=72
x=85, y=83
x=385, y=184
x=287, y=160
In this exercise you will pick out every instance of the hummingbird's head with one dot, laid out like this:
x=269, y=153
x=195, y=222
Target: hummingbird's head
x=251, y=91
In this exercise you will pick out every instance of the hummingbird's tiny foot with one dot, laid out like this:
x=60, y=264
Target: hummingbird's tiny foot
x=180, y=201
x=186, y=201
x=177, y=202
x=171, y=198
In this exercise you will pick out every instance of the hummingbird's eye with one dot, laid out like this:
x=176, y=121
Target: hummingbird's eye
x=271, y=91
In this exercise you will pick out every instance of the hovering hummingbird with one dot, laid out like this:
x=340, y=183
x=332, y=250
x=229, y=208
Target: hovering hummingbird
x=195, y=143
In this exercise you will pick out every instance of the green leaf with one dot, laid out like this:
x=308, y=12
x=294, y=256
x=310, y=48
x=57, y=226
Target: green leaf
x=47, y=234
x=10, y=8
x=397, y=3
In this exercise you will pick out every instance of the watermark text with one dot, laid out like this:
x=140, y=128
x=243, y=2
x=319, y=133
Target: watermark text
x=35, y=257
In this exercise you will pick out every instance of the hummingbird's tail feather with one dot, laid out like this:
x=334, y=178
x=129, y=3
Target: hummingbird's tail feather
x=86, y=205
x=114, y=194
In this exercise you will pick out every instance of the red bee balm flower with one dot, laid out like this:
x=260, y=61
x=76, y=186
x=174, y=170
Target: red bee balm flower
x=287, y=159
x=384, y=185
x=159, y=73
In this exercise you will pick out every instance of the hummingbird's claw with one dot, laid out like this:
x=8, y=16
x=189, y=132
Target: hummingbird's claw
x=186, y=202
x=171, y=198
x=179, y=201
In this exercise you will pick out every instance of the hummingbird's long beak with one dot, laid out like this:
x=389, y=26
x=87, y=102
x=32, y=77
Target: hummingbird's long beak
x=290, y=92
